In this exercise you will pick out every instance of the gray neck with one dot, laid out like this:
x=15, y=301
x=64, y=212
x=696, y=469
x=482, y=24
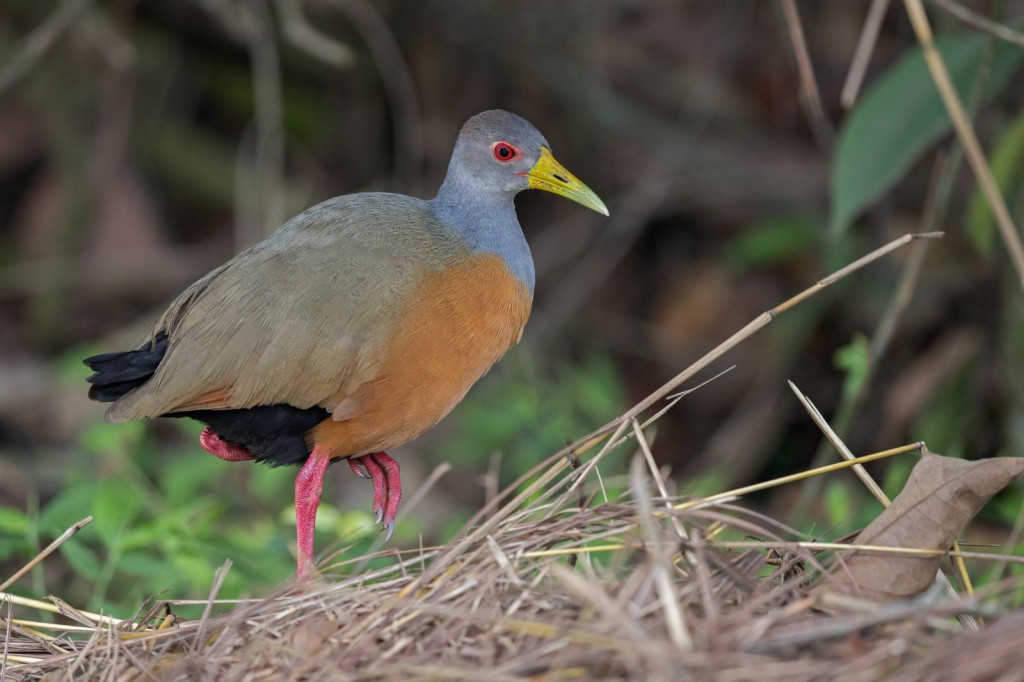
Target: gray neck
x=488, y=223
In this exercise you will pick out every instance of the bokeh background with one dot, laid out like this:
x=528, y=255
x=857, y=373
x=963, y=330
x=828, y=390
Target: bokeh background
x=144, y=142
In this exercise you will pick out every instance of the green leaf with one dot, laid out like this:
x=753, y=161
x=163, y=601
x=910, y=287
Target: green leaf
x=706, y=484
x=171, y=527
x=114, y=506
x=72, y=505
x=354, y=524
x=896, y=475
x=13, y=521
x=186, y=475
x=10, y=547
x=81, y=558
x=838, y=504
x=139, y=564
x=143, y=535
x=951, y=408
x=771, y=241
x=269, y=486
x=110, y=439
x=194, y=570
x=901, y=116
x=597, y=387
x=853, y=359
x=1008, y=169
x=68, y=366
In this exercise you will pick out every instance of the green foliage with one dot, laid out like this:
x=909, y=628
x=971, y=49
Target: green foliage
x=945, y=422
x=896, y=474
x=14, y=533
x=901, y=116
x=841, y=507
x=165, y=519
x=13, y=521
x=167, y=516
x=854, y=360
x=848, y=506
x=838, y=505
x=772, y=241
x=1008, y=168
x=706, y=484
x=160, y=538
x=530, y=413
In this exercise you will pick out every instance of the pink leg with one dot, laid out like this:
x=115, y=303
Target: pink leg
x=387, y=485
x=391, y=470
x=308, y=486
x=353, y=464
x=217, y=446
x=380, y=486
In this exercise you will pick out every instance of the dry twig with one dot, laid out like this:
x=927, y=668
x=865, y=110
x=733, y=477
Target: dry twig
x=968, y=138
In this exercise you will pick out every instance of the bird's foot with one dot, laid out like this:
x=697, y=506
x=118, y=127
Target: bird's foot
x=353, y=464
x=218, y=447
x=387, y=485
x=308, y=486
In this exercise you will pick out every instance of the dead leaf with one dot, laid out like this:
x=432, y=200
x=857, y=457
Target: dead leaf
x=941, y=496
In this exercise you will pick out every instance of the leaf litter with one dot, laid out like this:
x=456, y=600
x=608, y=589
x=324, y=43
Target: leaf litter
x=641, y=603
x=549, y=582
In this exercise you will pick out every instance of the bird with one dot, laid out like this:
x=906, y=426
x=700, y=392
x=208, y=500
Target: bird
x=353, y=328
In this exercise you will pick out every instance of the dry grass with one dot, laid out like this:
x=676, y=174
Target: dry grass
x=552, y=580
x=624, y=589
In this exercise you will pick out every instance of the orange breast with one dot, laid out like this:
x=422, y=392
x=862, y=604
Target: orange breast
x=457, y=325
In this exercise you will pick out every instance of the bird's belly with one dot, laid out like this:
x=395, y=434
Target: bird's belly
x=457, y=325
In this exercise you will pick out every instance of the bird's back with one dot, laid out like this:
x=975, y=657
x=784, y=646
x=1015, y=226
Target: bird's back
x=355, y=327
x=366, y=306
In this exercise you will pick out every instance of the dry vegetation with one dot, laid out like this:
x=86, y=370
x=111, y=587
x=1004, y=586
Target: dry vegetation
x=551, y=579
x=564, y=587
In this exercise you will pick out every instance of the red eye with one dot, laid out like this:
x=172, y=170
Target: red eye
x=504, y=152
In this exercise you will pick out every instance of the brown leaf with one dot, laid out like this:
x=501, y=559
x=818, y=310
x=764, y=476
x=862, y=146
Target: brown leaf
x=941, y=496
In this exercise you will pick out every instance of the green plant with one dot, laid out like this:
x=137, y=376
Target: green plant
x=167, y=514
x=528, y=412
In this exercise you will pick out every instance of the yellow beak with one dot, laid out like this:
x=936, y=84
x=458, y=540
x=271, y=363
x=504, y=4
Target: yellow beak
x=551, y=176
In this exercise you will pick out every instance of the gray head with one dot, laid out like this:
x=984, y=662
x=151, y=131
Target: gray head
x=494, y=152
x=499, y=154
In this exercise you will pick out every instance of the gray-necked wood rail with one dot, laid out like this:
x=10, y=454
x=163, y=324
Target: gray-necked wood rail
x=355, y=327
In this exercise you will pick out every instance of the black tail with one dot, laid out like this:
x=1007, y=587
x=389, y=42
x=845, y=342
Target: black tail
x=273, y=434
x=118, y=373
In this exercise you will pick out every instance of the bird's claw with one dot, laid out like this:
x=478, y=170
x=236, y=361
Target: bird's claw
x=387, y=486
x=353, y=464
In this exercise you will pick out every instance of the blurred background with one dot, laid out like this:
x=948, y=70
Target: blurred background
x=745, y=150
